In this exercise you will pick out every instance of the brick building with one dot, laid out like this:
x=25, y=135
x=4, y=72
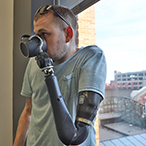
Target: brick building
x=87, y=27
x=131, y=80
x=87, y=36
x=128, y=80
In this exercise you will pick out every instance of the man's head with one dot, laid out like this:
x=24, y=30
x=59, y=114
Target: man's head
x=59, y=13
x=58, y=22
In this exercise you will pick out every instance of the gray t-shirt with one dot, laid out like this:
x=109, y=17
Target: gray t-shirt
x=84, y=71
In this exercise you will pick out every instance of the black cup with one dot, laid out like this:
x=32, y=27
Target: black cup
x=31, y=46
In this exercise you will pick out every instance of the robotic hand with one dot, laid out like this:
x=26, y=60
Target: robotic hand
x=68, y=132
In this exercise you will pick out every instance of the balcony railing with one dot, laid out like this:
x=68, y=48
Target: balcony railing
x=129, y=110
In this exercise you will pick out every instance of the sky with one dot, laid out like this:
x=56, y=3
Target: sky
x=121, y=34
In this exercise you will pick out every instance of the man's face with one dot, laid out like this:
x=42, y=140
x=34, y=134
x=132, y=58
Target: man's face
x=53, y=35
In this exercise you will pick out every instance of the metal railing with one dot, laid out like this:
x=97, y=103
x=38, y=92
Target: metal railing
x=131, y=111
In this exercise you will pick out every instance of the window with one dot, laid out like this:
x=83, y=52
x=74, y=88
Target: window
x=129, y=79
x=121, y=33
x=123, y=75
x=140, y=74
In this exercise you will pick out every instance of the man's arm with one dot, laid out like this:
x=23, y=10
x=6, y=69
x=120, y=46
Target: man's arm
x=23, y=123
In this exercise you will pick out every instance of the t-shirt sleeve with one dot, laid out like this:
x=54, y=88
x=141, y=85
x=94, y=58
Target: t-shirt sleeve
x=93, y=71
x=26, y=86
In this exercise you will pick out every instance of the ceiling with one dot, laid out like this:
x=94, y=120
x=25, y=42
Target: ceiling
x=70, y=3
x=76, y=5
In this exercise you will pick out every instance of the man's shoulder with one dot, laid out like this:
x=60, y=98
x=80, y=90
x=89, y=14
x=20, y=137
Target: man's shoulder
x=93, y=49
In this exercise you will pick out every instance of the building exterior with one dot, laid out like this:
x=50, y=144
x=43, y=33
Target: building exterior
x=130, y=80
x=87, y=36
x=126, y=84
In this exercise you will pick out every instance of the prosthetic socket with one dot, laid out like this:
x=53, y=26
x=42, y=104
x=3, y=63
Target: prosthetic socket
x=68, y=132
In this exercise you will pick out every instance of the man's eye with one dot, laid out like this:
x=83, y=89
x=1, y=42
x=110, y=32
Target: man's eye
x=43, y=34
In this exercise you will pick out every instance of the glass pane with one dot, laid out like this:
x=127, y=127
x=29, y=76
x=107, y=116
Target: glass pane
x=121, y=33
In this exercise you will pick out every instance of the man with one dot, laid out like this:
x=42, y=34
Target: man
x=80, y=73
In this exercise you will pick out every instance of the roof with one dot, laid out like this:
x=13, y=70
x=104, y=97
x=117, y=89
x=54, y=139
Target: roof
x=135, y=140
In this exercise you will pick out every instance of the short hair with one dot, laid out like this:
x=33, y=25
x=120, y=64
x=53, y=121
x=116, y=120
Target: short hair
x=68, y=15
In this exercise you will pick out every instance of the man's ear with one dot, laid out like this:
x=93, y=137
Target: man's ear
x=69, y=33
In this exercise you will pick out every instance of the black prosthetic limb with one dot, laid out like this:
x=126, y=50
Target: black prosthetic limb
x=64, y=125
x=68, y=132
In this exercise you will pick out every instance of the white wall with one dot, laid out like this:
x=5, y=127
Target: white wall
x=6, y=71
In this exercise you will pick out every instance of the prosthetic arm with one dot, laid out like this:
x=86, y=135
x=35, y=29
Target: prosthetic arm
x=68, y=132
